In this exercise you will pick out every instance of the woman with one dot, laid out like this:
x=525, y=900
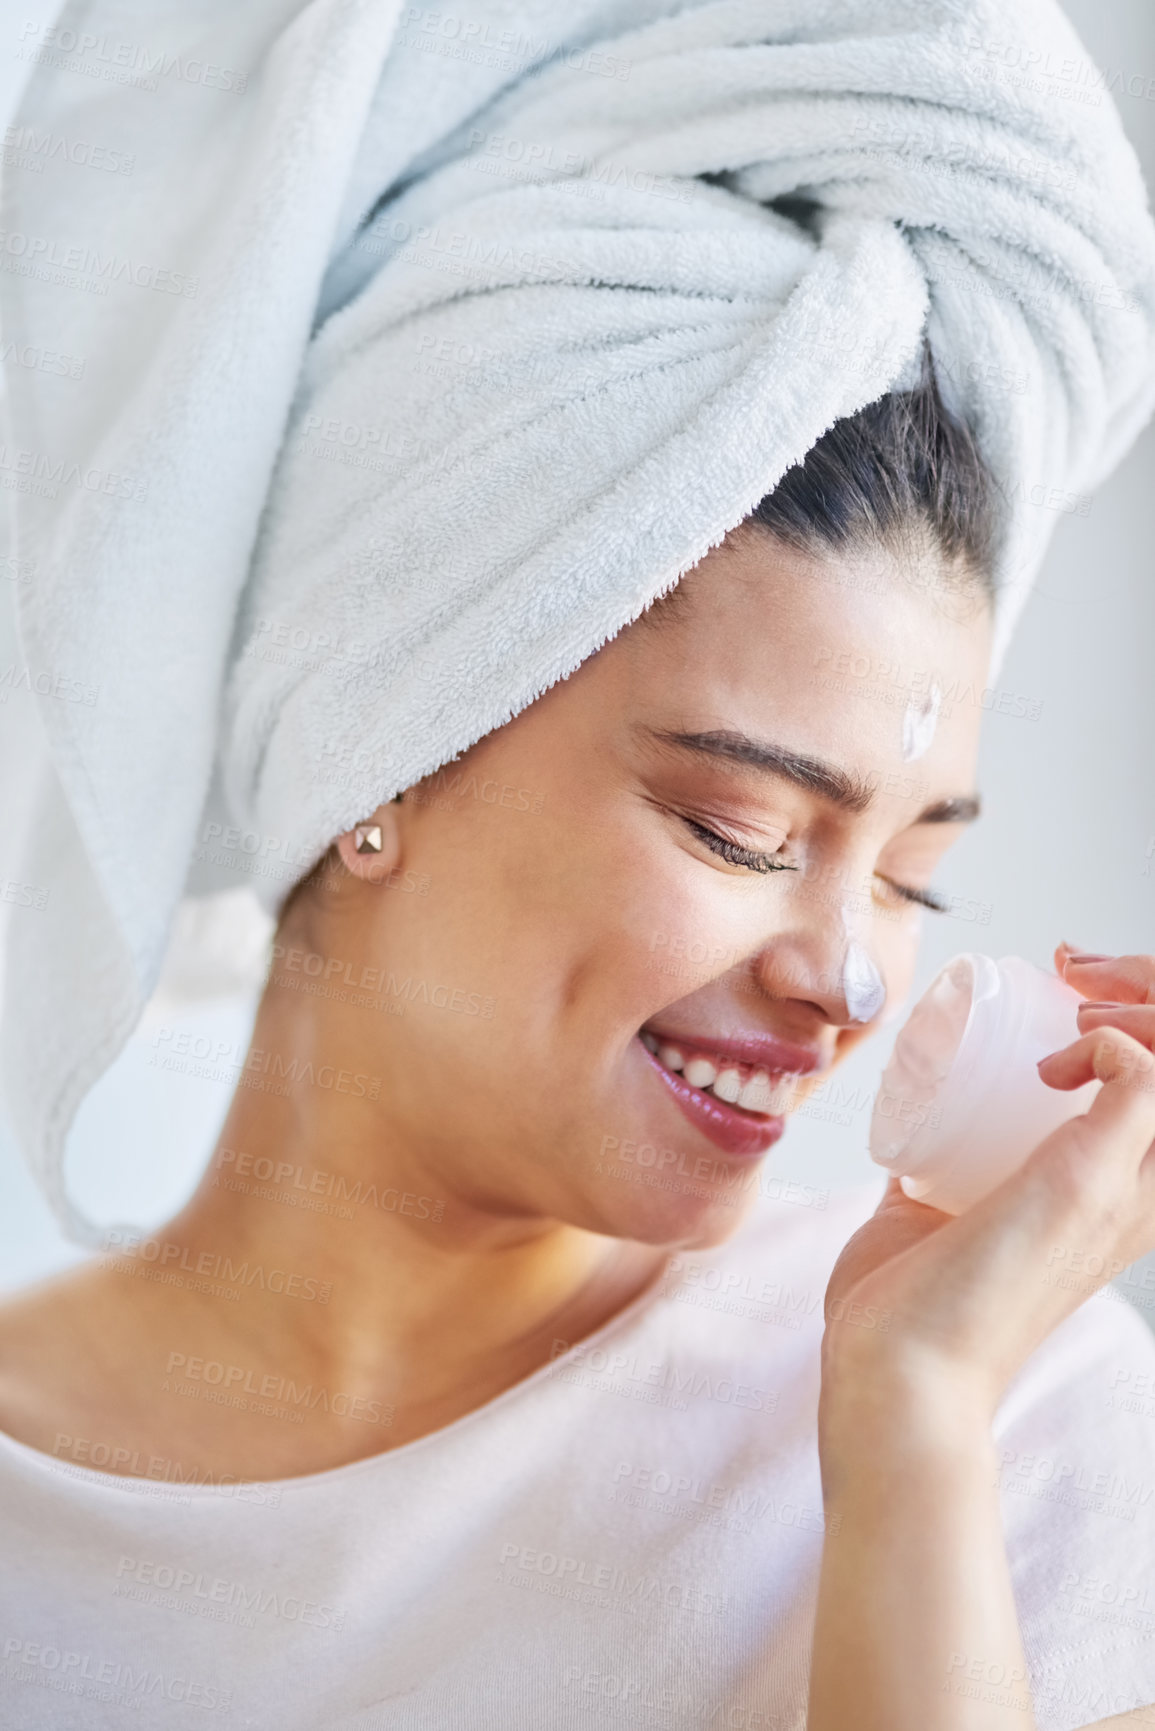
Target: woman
x=484, y=1380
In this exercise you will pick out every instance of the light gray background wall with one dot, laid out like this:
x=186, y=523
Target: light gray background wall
x=1067, y=848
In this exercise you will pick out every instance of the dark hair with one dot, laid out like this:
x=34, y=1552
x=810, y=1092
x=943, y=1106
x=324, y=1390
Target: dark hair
x=896, y=474
x=899, y=470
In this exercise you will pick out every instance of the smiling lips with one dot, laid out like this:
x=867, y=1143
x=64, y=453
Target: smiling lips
x=737, y=1085
x=736, y=1092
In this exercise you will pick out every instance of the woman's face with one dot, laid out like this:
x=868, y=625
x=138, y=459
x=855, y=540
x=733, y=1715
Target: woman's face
x=589, y=1013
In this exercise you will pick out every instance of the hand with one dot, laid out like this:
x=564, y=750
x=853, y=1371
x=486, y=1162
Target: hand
x=964, y=1300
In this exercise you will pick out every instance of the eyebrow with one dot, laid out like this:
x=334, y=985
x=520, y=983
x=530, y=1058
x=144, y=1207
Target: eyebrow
x=840, y=786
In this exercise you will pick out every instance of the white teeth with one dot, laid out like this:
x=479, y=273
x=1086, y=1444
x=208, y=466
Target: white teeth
x=700, y=1073
x=757, y=1095
x=728, y=1087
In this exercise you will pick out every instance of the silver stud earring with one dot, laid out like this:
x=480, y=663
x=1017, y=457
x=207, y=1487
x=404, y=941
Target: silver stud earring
x=367, y=838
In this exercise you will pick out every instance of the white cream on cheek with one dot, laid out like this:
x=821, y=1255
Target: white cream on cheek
x=919, y=722
x=862, y=984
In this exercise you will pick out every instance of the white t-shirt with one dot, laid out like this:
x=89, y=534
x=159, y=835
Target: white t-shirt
x=629, y=1537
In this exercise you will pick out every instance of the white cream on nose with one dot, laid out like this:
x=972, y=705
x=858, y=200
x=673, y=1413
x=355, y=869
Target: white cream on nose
x=862, y=984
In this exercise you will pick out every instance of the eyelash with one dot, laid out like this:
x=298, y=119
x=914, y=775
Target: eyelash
x=925, y=898
x=765, y=862
x=735, y=855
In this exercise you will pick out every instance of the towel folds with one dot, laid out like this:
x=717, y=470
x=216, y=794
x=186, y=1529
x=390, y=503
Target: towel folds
x=421, y=356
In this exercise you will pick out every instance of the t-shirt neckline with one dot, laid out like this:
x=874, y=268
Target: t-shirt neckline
x=656, y=1288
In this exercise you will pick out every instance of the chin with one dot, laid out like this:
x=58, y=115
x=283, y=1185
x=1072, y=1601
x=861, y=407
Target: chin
x=656, y=1208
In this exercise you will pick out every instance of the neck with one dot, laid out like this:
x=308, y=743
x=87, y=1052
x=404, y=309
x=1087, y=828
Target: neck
x=390, y=1277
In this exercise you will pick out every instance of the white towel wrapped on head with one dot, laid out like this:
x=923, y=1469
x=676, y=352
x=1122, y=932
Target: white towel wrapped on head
x=573, y=317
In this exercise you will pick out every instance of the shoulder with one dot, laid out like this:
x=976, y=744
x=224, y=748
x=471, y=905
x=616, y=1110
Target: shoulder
x=1102, y=1354
x=37, y=1322
x=54, y=1352
x=1075, y=1444
x=1075, y=1436
x=1121, y=1721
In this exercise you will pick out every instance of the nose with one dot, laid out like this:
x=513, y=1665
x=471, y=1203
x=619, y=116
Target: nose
x=826, y=961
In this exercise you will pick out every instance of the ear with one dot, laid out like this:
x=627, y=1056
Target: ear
x=359, y=854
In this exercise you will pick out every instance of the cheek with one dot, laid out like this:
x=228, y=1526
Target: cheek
x=681, y=926
x=895, y=945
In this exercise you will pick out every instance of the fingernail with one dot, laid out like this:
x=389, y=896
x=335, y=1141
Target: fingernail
x=1102, y=1004
x=1089, y=956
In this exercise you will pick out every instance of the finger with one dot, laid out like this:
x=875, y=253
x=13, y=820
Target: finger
x=1092, y=1168
x=896, y=1201
x=1106, y=1055
x=1110, y=1141
x=1065, y=952
x=893, y=1195
x=1126, y=979
x=907, y=1216
x=1138, y=1020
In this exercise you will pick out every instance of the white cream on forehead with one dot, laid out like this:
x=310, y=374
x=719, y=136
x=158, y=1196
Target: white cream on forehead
x=862, y=985
x=919, y=723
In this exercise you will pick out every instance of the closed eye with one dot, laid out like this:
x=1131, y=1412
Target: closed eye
x=754, y=861
x=735, y=855
x=925, y=898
